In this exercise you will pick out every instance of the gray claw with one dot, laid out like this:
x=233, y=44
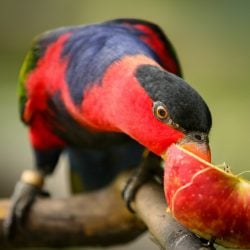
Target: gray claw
x=22, y=198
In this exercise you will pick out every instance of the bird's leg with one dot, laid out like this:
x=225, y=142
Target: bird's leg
x=27, y=189
x=149, y=168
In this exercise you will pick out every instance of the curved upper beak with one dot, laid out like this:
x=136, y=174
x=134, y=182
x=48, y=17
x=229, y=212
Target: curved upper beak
x=201, y=150
x=198, y=148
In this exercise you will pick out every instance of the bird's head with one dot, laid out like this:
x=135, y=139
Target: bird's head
x=151, y=105
x=179, y=113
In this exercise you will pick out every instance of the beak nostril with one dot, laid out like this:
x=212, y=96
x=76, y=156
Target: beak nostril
x=197, y=146
x=198, y=137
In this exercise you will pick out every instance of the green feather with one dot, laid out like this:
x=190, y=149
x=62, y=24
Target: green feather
x=29, y=63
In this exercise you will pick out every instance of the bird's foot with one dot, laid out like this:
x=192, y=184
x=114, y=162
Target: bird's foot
x=21, y=200
x=149, y=168
x=209, y=243
x=131, y=187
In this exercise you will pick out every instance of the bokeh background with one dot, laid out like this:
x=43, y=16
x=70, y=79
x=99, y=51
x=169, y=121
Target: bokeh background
x=211, y=38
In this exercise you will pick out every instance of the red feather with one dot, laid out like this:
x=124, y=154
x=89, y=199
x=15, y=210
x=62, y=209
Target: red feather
x=154, y=41
x=106, y=107
x=120, y=98
x=42, y=82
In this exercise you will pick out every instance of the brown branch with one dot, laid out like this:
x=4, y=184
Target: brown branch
x=100, y=218
x=167, y=232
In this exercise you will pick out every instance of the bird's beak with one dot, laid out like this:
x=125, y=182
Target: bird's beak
x=199, y=149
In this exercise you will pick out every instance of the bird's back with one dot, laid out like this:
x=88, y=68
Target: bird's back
x=66, y=62
x=62, y=65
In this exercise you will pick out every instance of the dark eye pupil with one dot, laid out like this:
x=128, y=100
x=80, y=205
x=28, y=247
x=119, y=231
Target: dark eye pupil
x=162, y=112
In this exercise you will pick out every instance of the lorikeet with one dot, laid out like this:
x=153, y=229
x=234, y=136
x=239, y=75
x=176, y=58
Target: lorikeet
x=104, y=93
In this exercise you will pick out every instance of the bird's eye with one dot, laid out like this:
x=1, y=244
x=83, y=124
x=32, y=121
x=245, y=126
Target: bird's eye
x=160, y=110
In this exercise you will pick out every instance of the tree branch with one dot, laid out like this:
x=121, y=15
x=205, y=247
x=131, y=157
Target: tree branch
x=100, y=218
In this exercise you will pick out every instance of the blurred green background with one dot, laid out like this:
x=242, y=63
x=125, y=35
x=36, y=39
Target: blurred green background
x=211, y=38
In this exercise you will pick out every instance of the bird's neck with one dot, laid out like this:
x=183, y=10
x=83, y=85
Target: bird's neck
x=120, y=104
x=114, y=102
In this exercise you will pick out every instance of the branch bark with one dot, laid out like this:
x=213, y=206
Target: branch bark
x=100, y=218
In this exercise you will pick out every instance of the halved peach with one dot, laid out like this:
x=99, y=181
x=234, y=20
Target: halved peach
x=209, y=201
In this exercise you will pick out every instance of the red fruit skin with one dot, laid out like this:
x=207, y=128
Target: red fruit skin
x=207, y=200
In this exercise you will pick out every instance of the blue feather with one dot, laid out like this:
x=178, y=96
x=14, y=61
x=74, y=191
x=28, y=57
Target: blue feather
x=91, y=49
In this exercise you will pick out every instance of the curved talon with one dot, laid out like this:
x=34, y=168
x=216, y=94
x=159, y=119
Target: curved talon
x=149, y=167
x=128, y=195
x=22, y=199
x=132, y=186
x=209, y=243
x=9, y=227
